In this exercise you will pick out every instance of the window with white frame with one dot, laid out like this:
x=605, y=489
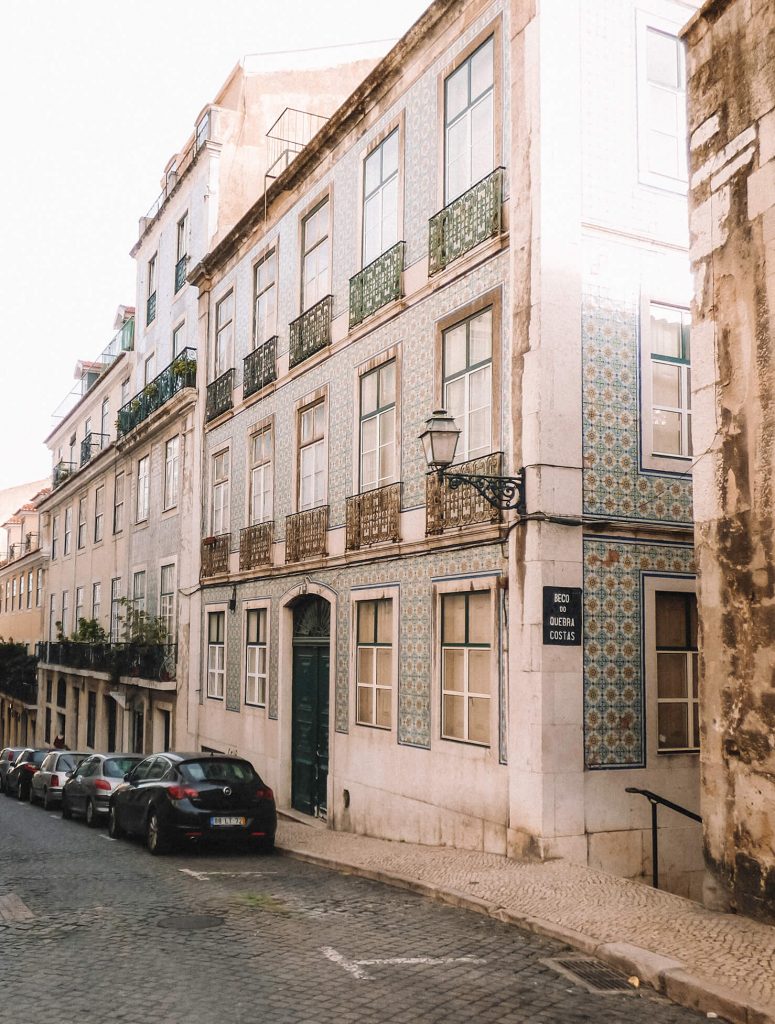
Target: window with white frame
x=149, y=368
x=151, y=291
x=21, y=591
x=315, y=278
x=52, y=616
x=29, y=588
x=171, y=470
x=38, y=587
x=167, y=601
x=261, y=476
x=467, y=383
x=65, y=613
x=125, y=384
x=380, y=199
x=178, y=339
x=99, y=513
x=104, y=422
x=216, y=654
x=677, y=676
x=221, y=511
x=312, y=456
x=13, y=594
x=68, y=531
x=469, y=122
x=255, y=656
x=115, y=608
x=118, y=503
x=143, y=488
x=666, y=390
x=378, y=427
x=78, y=607
x=265, y=299
x=661, y=104
x=466, y=648
x=181, y=252
x=224, y=334
x=81, y=538
x=138, y=591
x=96, y=601
x=374, y=662
x=54, y=536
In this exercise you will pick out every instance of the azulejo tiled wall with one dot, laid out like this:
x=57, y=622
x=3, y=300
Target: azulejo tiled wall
x=614, y=486
x=614, y=687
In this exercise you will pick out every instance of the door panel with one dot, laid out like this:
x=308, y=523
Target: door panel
x=310, y=728
x=322, y=747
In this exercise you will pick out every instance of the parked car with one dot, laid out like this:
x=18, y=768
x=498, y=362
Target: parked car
x=19, y=778
x=88, y=789
x=7, y=757
x=173, y=798
x=46, y=785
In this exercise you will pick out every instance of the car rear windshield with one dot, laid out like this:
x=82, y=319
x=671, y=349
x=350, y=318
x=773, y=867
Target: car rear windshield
x=217, y=770
x=39, y=756
x=117, y=767
x=67, y=762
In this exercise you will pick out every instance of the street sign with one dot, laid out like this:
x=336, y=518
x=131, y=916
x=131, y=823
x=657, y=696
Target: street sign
x=562, y=616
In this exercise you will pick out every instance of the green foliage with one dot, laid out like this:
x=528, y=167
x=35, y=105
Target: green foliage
x=89, y=632
x=137, y=627
x=18, y=670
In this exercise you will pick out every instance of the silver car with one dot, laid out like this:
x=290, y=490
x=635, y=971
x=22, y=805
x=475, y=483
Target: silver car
x=88, y=789
x=47, y=782
x=7, y=757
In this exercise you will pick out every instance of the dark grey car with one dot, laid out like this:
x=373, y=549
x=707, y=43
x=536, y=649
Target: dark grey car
x=47, y=783
x=88, y=789
x=7, y=757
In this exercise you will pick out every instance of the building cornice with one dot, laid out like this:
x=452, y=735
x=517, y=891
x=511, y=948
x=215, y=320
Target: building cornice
x=710, y=11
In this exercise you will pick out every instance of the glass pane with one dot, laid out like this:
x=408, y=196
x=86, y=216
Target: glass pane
x=478, y=720
x=384, y=663
x=453, y=610
x=454, y=664
x=368, y=470
x=663, y=154
x=457, y=92
x=389, y=222
x=670, y=610
x=225, y=309
x=455, y=350
x=479, y=615
x=387, y=384
x=692, y=601
x=481, y=69
x=365, y=704
x=452, y=713
x=696, y=725
x=372, y=241
x=667, y=432
x=673, y=726
x=479, y=668
x=481, y=139
x=480, y=338
x=371, y=172
x=695, y=676
x=666, y=383
x=458, y=159
x=319, y=412
x=663, y=107
x=369, y=434
x=383, y=708
x=384, y=621
x=386, y=462
x=307, y=421
x=386, y=427
x=671, y=675
x=365, y=667
x=666, y=331
x=662, y=58
x=390, y=156
x=366, y=616
x=368, y=393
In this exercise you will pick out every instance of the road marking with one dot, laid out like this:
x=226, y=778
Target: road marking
x=12, y=909
x=355, y=967
x=203, y=876
x=108, y=839
x=348, y=965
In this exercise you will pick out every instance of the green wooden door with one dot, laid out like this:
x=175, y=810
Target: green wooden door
x=309, y=753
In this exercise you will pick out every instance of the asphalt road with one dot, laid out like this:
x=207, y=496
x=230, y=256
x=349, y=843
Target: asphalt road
x=94, y=931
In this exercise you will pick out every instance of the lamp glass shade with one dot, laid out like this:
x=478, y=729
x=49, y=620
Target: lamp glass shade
x=439, y=439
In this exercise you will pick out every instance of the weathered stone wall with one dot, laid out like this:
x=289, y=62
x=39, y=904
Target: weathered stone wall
x=731, y=98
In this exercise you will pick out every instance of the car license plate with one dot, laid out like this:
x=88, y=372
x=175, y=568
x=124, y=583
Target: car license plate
x=226, y=820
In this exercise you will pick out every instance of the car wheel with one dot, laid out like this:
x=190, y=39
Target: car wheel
x=20, y=794
x=47, y=801
x=67, y=811
x=115, y=831
x=31, y=795
x=156, y=838
x=91, y=814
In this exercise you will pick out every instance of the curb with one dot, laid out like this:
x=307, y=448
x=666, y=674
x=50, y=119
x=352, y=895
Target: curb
x=673, y=978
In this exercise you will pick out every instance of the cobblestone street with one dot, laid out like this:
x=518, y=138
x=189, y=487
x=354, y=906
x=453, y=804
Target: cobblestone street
x=96, y=931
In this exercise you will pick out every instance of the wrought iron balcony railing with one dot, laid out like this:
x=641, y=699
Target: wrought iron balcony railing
x=25, y=690
x=311, y=331
x=219, y=395
x=62, y=471
x=31, y=542
x=92, y=443
x=373, y=517
x=180, y=273
x=255, y=545
x=215, y=555
x=447, y=508
x=144, y=661
x=465, y=222
x=377, y=284
x=150, y=309
x=181, y=373
x=306, y=534
x=260, y=367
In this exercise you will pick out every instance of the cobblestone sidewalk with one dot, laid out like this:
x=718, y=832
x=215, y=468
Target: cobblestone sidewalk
x=712, y=962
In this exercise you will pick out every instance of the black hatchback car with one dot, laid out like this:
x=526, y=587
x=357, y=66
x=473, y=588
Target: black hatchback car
x=176, y=798
x=19, y=778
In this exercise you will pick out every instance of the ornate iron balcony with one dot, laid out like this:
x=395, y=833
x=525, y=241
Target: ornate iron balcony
x=306, y=534
x=219, y=395
x=373, y=517
x=150, y=309
x=447, y=508
x=181, y=373
x=311, y=331
x=465, y=222
x=62, y=471
x=215, y=555
x=255, y=545
x=180, y=273
x=145, y=661
x=92, y=443
x=260, y=367
x=377, y=284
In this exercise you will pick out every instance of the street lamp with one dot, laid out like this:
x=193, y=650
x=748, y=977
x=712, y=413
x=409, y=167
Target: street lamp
x=439, y=440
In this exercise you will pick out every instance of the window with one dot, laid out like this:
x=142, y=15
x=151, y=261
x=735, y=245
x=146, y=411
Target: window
x=68, y=534
x=203, y=130
x=265, y=302
x=38, y=587
x=380, y=199
x=224, y=334
x=255, y=656
x=312, y=457
x=138, y=592
x=125, y=391
x=78, y=607
x=466, y=628
x=171, y=453
x=115, y=608
x=469, y=122
x=221, y=519
x=52, y=617
x=149, y=368
x=21, y=591
x=314, y=259
x=13, y=593
x=87, y=427
x=181, y=252
x=91, y=719
x=29, y=589
x=661, y=105
x=65, y=612
x=143, y=488
x=261, y=477
x=99, y=512
x=105, y=422
x=151, y=301
x=216, y=654
x=666, y=387
x=96, y=601
x=118, y=503
x=678, y=706
x=178, y=340
x=374, y=662
x=467, y=375
x=167, y=601
x=81, y=539
x=378, y=427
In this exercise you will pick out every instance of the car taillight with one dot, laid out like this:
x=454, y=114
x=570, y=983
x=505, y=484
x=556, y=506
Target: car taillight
x=31, y=768
x=182, y=792
x=55, y=780
x=102, y=784
x=265, y=793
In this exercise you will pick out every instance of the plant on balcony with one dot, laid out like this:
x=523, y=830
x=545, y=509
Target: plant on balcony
x=182, y=366
x=89, y=631
x=151, y=389
x=135, y=406
x=18, y=671
x=209, y=540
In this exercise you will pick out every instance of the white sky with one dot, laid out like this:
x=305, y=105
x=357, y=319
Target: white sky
x=97, y=95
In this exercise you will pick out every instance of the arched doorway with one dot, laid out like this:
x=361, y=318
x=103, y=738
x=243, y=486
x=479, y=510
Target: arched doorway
x=309, y=735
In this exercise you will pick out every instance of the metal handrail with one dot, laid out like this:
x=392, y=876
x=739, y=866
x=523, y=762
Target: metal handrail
x=655, y=800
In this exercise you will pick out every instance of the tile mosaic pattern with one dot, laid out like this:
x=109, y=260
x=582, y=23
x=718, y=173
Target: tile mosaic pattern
x=614, y=688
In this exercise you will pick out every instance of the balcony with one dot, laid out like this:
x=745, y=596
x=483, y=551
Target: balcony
x=260, y=367
x=447, y=508
x=311, y=332
x=62, y=471
x=215, y=555
x=150, y=309
x=306, y=534
x=145, y=661
x=181, y=373
x=92, y=444
x=373, y=517
x=465, y=222
x=255, y=546
x=377, y=284
x=219, y=395
x=24, y=690
x=180, y=273
x=31, y=542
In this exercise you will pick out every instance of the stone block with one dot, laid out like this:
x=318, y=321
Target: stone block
x=761, y=190
x=616, y=852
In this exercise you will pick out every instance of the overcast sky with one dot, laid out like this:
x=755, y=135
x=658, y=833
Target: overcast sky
x=98, y=94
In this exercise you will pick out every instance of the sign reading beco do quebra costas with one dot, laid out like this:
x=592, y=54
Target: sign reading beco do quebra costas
x=562, y=616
